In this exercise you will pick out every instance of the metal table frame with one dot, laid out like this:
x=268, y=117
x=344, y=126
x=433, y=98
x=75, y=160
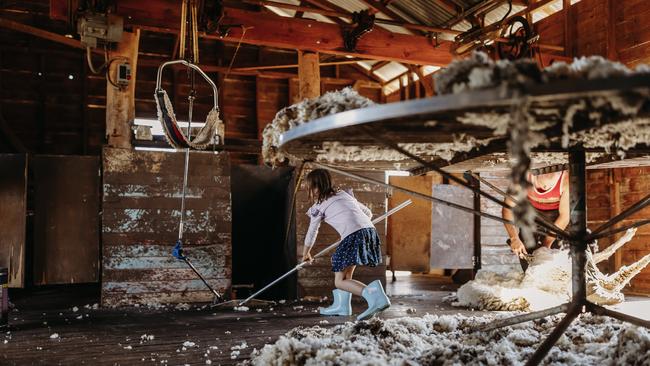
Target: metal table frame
x=577, y=237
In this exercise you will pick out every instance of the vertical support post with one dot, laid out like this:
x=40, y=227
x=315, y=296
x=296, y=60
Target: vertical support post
x=577, y=194
x=120, y=103
x=568, y=28
x=615, y=208
x=308, y=75
x=4, y=297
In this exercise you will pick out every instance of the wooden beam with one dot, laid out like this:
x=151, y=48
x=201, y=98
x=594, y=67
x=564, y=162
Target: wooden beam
x=293, y=66
x=308, y=75
x=427, y=81
x=37, y=32
x=379, y=65
x=367, y=73
x=120, y=103
x=315, y=36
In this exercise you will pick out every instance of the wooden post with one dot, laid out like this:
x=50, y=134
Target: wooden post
x=308, y=75
x=568, y=29
x=120, y=104
x=615, y=209
x=612, y=54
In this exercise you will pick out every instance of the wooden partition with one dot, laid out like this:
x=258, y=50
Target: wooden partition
x=66, y=219
x=317, y=279
x=141, y=206
x=13, y=206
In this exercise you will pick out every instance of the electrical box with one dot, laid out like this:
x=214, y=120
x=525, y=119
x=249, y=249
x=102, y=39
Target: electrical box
x=123, y=74
x=94, y=27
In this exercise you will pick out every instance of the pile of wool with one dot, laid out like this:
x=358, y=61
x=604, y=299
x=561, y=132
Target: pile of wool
x=303, y=112
x=453, y=340
x=336, y=152
x=546, y=283
x=590, y=67
x=480, y=72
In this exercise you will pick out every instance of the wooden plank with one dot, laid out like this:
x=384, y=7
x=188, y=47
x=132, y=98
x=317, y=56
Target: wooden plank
x=303, y=34
x=66, y=219
x=120, y=103
x=409, y=231
x=13, y=195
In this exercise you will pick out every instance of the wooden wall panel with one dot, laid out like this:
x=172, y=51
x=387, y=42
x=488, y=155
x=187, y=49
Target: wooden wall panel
x=409, y=231
x=141, y=208
x=318, y=279
x=66, y=219
x=13, y=207
x=609, y=192
x=271, y=96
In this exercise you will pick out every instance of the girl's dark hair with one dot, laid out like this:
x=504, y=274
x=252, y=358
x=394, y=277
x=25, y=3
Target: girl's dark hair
x=321, y=179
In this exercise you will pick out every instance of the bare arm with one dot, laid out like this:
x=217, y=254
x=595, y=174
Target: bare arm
x=516, y=245
x=564, y=210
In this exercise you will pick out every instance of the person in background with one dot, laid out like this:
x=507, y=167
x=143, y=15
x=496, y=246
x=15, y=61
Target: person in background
x=359, y=246
x=549, y=196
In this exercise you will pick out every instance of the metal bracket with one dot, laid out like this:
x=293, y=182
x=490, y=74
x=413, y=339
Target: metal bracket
x=362, y=23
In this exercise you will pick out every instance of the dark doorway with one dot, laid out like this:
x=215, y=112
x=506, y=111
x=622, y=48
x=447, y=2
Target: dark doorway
x=261, y=201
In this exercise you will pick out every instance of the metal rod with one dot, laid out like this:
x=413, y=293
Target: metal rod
x=617, y=230
x=190, y=98
x=548, y=343
x=645, y=201
x=373, y=133
x=600, y=310
x=523, y=318
x=216, y=294
x=324, y=251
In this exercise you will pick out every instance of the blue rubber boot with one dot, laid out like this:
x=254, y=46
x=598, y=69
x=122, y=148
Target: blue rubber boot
x=376, y=298
x=342, y=304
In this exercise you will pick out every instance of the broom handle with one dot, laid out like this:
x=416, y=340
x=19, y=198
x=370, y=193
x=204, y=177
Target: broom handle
x=324, y=251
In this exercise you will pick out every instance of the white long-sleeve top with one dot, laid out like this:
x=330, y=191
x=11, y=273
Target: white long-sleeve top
x=341, y=211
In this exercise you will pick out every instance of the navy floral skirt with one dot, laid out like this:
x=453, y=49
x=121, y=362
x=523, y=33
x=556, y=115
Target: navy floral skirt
x=362, y=247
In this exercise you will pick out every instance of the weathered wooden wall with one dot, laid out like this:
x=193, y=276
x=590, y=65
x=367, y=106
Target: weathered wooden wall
x=141, y=208
x=318, y=279
x=13, y=210
x=610, y=191
x=495, y=253
x=616, y=29
x=66, y=219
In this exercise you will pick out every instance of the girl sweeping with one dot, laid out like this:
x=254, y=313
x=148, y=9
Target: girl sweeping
x=359, y=245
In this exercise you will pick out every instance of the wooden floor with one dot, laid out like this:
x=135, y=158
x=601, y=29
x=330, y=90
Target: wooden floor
x=113, y=337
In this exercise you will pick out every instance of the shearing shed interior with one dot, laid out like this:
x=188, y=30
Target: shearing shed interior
x=325, y=182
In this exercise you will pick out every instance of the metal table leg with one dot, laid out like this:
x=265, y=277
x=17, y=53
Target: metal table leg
x=4, y=297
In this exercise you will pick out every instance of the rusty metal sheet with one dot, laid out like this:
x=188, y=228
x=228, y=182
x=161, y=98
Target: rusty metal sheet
x=66, y=219
x=452, y=233
x=13, y=190
x=141, y=210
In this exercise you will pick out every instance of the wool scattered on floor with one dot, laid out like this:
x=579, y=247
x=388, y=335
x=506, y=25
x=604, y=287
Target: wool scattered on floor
x=452, y=340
